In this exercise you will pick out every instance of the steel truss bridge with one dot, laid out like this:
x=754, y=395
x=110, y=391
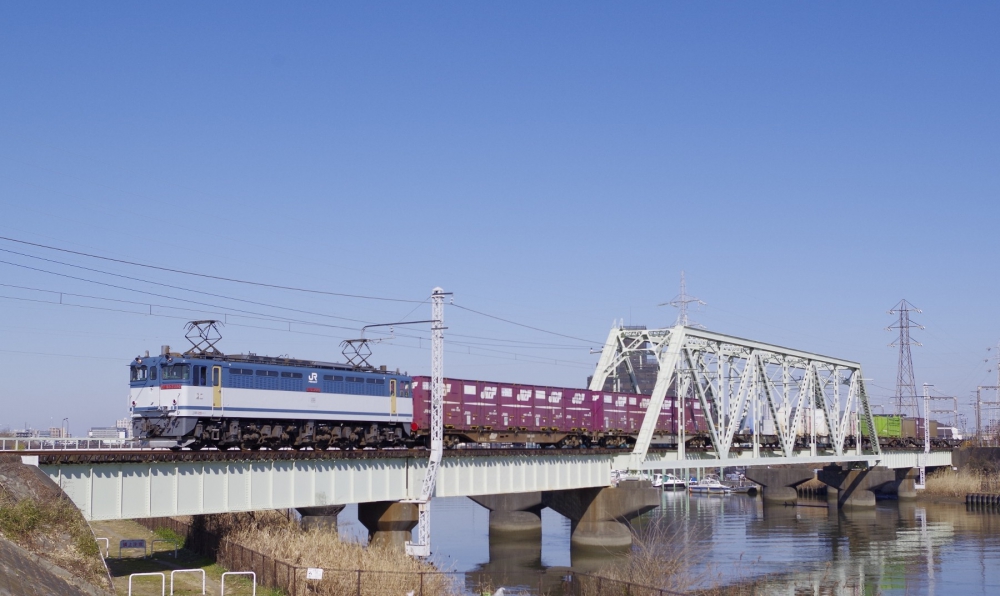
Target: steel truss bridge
x=738, y=383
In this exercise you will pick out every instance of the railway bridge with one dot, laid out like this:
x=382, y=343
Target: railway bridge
x=513, y=483
x=765, y=406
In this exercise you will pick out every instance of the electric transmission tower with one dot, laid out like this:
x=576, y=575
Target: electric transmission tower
x=681, y=302
x=906, y=388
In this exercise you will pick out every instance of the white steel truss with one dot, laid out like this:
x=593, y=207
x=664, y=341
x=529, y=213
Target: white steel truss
x=743, y=387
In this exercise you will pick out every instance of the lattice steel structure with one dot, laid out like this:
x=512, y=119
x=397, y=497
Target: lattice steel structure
x=739, y=383
x=422, y=547
x=987, y=417
x=681, y=301
x=906, y=400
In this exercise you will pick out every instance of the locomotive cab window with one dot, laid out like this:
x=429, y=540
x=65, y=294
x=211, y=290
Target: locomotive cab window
x=139, y=373
x=176, y=372
x=152, y=372
x=201, y=375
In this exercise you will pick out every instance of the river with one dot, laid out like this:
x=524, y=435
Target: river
x=897, y=548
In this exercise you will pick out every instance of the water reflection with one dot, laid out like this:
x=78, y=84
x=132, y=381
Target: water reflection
x=896, y=548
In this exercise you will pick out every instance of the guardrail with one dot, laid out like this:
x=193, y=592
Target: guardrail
x=201, y=571
x=163, y=581
x=298, y=581
x=253, y=576
x=40, y=444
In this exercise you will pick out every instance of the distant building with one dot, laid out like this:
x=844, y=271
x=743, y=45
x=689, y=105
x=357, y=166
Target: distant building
x=125, y=424
x=635, y=374
x=55, y=432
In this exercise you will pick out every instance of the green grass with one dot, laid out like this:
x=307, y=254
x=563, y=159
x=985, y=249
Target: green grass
x=168, y=534
x=22, y=519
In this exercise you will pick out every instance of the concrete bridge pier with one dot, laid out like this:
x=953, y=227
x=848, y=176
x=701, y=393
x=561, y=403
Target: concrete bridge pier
x=599, y=516
x=906, y=483
x=514, y=515
x=320, y=518
x=779, y=482
x=856, y=488
x=389, y=523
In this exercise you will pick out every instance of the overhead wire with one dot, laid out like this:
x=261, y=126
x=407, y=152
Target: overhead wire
x=506, y=343
x=209, y=276
x=188, y=300
x=533, y=328
x=139, y=279
x=514, y=356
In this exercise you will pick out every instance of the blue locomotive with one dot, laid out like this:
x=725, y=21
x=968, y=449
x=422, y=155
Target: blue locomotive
x=203, y=398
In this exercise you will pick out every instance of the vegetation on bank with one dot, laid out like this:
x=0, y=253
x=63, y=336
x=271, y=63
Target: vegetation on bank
x=53, y=527
x=273, y=534
x=951, y=483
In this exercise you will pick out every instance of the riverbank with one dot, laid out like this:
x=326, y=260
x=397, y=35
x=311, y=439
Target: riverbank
x=950, y=486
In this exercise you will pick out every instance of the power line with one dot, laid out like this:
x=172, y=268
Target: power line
x=207, y=276
x=188, y=300
x=513, y=356
x=482, y=314
x=139, y=279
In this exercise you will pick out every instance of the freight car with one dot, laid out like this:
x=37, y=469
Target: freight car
x=202, y=398
x=895, y=432
x=511, y=413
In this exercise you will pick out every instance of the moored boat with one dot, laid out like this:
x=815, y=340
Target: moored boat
x=710, y=485
x=668, y=482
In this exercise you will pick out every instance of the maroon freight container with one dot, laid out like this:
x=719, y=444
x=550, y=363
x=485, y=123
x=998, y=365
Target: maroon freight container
x=578, y=411
x=453, y=411
x=489, y=410
x=421, y=402
x=614, y=412
x=634, y=413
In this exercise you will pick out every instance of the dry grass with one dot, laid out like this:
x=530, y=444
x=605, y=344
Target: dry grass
x=950, y=483
x=55, y=529
x=272, y=534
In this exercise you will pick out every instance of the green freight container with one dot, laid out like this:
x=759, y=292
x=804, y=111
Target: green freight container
x=886, y=426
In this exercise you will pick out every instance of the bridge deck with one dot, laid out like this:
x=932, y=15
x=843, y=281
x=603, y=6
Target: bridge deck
x=131, y=483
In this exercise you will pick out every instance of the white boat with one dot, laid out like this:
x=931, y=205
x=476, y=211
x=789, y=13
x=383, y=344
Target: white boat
x=668, y=482
x=710, y=485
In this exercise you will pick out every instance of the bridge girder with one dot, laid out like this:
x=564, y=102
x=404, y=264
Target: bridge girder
x=739, y=383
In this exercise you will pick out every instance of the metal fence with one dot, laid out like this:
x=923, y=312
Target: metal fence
x=41, y=444
x=292, y=579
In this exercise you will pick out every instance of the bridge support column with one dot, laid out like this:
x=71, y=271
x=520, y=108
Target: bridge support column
x=389, y=523
x=599, y=516
x=906, y=483
x=855, y=488
x=779, y=482
x=832, y=496
x=514, y=515
x=320, y=518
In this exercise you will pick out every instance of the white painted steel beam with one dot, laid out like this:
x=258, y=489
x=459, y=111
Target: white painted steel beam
x=133, y=490
x=157, y=489
x=889, y=459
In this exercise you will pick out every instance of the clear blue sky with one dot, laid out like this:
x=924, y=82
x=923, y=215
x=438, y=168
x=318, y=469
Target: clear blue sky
x=558, y=164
